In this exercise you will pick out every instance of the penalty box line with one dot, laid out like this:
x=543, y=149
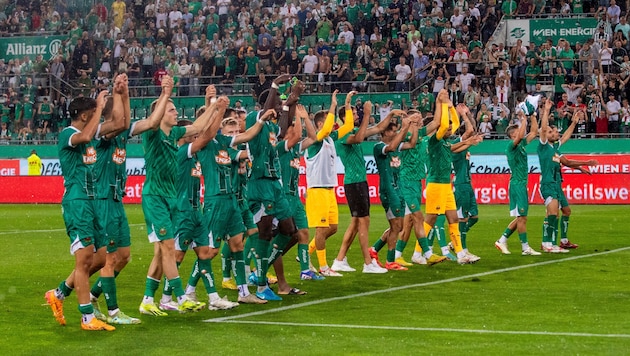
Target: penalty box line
x=395, y=289
x=410, y=328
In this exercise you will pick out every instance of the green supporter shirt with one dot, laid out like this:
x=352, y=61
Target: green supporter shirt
x=188, y=179
x=531, y=74
x=28, y=110
x=351, y=155
x=366, y=8
x=265, y=161
x=77, y=165
x=219, y=58
x=461, y=166
x=290, y=166
x=440, y=160
x=324, y=30
x=517, y=160
x=352, y=13
x=216, y=164
x=302, y=51
x=343, y=51
x=160, y=156
x=411, y=160
x=549, y=163
x=388, y=165
x=211, y=29
x=45, y=108
x=251, y=65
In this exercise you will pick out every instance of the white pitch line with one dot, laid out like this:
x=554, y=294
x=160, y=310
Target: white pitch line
x=394, y=289
x=39, y=231
x=405, y=328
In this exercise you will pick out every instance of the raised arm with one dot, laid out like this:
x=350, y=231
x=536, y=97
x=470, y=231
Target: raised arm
x=471, y=141
x=288, y=109
x=533, y=130
x=413, y=127
x=378, y=128
x=330, y=118
x=255, y=129
x=574, y=120
x=393, y=145
x=202, y=122
x=214, y=115
x=110, y=128
x=155, y=118
x=544, y=122
x=464, y=112
x=348, y=123
x=89, y=130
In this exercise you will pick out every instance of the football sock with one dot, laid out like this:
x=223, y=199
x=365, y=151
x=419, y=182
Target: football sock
x=453, y=230
x=463, y=233
x=400, y=247
x=523, y=237
x=552, y=228
x=109, y=291
x=545, y=237
x=262, y=261
x=321, y=259
x=64, y=290
x=205, y=271
x=178, y=290
x=239, y=267
x=250, y=248
x=303, y=256
x=423, y=242
x=390, y=255
x=417, y=247
x=194, y=274
x=378, y=245
x=87, y=311
x=226, y=263
x=150, y=286
x=97, y=288
x=564, y=228
x=277, y=247
x=507, y=233
x=472, y=222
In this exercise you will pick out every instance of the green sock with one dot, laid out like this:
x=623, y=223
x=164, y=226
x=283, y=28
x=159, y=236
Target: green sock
x=440, y=233
x=176, y=285
x=205, y=271
x=304, y=257
x=431, y=236
x=226, y=261
x=378, y=245
x=109, y=291
x=552, y=229
x=262, y=261
x=424, y=244
x=277, y=247
x=65, y=290
x=523, y=237
x=463, y=231
x=97, y=288
x=86, y=308
x=400, y=245
x=194, y=274
x=545, y=225
x=390, y=255
x=167, y=289
x=507, y=233
x=250, y=248
x=472, y=222
x=150, y=286
x=239, y=268
x=564, y=227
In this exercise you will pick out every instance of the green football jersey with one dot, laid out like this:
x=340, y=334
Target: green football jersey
x=411, y=159
x=425, y=102
x=240, y=173
x=388, y=165
x=549, y=163
x=119, y=160
x=461, y=165
x=160, y=156
x=265, y=162
x=517, y=160
x=188, y=179
x=103, y=168
x=317, y=146
x=290, y=167
x=77, y=165
x=217, y=166
x=351, y=156
x=440, y=161
x=423, y=165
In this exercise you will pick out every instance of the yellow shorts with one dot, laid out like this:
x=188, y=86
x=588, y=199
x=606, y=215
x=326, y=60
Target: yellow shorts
x=440, y=198
x=321, y=207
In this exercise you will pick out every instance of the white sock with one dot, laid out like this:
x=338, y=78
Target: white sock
x=147, y=300
x=445, y=250
x=525, y=246
x=190, y=289
x=428, y=254
x=113, y=312
x=397, y=254
x=503, y=239
x=213, y=297
x=166, y=299
x=243, y=291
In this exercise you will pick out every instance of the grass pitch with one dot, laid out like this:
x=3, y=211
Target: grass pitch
x=575, y=303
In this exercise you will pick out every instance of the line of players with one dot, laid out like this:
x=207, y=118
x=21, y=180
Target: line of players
x=245, y=193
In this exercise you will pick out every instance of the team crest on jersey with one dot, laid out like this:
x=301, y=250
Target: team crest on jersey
x=273, y=140
x=222, y=157
x=119, y=156
x=196, y=172
x=90, y=156
x=295, y=163
x=394, y=162
x=162, y=231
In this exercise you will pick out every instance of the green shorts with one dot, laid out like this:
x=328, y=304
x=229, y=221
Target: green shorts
x=465, y=201
x=394, y=205
x=519, y=199
x=299, y=214
x=562, y=198
x=549, y=192
x=159, y=213
x=116, y=226
x=190, y=230
x=82, y=224
x=222, y=219
x=266, y=197
x=246, y=214
x=411, y=191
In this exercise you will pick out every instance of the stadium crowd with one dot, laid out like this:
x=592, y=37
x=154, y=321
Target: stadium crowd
x=365, y=45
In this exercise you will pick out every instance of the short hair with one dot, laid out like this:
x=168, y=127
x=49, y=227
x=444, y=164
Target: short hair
x=154, y=104
x=200, y=111
x=511, y=129
x=229, y=121
x=184, y=122
x=80, y=105
x=341, y=112
x=109, y=107
x=228, y=113
x=320, y=116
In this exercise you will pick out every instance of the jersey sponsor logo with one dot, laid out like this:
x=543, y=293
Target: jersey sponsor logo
x=90, y=156
x=222, y=157
x=119, y=156
x=196, y=172
x=295, y=163
x=273, y=140
x=395, y=162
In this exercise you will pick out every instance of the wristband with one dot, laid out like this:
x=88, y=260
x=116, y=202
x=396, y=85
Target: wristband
x=262, y=122
x=275, y=86
x=213, y=100
x=285, y=108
